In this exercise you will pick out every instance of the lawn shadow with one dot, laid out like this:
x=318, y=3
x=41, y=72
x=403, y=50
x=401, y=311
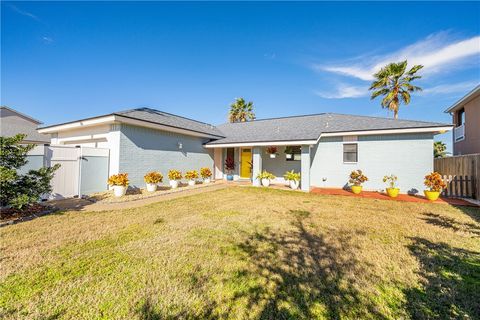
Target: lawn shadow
x=147, y=311
x=301, y=275
x=450, y=223
x=451, y=282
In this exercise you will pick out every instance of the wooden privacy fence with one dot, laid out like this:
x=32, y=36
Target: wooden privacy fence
x=462, y=174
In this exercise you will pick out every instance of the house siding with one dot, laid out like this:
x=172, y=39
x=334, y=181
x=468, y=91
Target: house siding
x=471, y=143
x=409, y=156
x=143, y=150
x=279, y=165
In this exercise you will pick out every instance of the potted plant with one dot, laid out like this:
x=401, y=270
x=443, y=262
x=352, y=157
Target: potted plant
x=356, y=179
x=191, y=176
x=435, y=183
x=289, y=152
x=293, y=178
x=392, y=189
x=265, y=177
x=206, y=174
x=174, y=176
x=119, y=182
x=229, y=167
x=272, y=151
x=152, y=179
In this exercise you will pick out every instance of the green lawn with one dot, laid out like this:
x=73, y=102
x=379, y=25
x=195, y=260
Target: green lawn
x=246, y=253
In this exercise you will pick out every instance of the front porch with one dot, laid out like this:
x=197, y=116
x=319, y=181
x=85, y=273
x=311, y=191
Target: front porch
x=250, y=160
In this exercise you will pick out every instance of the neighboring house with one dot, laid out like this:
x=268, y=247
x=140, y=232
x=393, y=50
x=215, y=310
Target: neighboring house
x=13, y=122
x=466, y=119
x=325, y=148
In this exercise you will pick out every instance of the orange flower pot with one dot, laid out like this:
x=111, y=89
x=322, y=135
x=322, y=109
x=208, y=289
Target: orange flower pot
x=431, y=195
x=393, y=192
x=356, y=189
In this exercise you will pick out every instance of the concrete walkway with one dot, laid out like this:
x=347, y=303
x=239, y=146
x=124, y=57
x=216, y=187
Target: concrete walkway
x=86, y=205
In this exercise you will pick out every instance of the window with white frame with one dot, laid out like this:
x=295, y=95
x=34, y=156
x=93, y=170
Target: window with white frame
x=350, y=152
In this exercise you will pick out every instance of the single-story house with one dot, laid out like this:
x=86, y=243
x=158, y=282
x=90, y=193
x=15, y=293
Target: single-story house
x=13, y=122
x=324, y=148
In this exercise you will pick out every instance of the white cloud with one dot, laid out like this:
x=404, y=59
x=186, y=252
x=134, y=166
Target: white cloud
x=461, y=87
x=344, y=91
x=436, y=53
x=47, y=40
x=24, y=13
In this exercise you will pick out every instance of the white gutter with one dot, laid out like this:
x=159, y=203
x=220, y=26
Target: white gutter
x=388, y=131
x=262, y=144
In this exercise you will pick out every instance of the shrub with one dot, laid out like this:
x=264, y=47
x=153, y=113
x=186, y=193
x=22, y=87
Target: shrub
x=191, y=175
x=272, y=150
x=265, y=175
x=434, y=182
x=120, y=179
x=357, y=178
x=174, y=175
x=205, y=173
x=21, y=190
x=291, y=176
x=229, y=164
x=153, y=177
x=391, y=181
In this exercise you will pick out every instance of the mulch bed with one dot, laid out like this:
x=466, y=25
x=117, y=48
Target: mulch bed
x=401, y=197
x=10, y=216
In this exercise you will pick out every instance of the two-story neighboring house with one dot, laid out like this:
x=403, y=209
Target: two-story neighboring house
x=13, y=122
x=466, y=119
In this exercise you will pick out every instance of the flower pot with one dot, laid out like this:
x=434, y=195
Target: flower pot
x=356, y=189
x=273, y=155
x=230, y=177
x=151, y=187
x=265, y=182
x=174, y=184
x=393, y=192
x=294, y=184
x=431, y=195
x=206, y=180
x=191, y=183
x=119, y=191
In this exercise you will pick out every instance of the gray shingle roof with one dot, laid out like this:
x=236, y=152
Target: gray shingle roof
x=12, y=122
x=309, y=127
x=171, y=120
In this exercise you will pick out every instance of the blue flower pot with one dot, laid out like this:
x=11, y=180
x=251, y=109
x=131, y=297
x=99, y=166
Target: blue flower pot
x=229, y=177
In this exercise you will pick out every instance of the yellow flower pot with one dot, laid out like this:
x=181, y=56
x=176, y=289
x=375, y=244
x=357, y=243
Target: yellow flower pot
x=356, y=189
x=393, y=192
x=431, y=195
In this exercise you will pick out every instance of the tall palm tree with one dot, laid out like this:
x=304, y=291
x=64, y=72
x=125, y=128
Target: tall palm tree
x=241, y=111
x=393, y=83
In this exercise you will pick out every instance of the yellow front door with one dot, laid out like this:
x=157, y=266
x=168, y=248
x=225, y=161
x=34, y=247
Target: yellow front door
x=246, y=164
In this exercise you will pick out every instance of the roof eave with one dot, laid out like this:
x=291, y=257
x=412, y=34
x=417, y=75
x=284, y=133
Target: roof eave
x=471, y=95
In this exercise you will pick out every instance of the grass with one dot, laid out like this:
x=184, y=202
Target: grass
x=246, y=253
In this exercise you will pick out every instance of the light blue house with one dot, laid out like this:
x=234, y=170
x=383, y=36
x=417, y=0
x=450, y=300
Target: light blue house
x=324, y=148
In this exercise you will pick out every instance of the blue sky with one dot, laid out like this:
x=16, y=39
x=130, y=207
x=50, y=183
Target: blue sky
x=62, y=61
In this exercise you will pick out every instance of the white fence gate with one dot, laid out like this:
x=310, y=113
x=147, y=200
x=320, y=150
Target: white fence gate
x=83, y=170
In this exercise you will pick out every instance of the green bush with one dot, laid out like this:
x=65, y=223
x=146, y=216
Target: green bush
x=21, y=190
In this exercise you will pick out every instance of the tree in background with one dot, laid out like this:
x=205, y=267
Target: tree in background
x=21, y=190
x=439, y=149
x=241, y=111
x=393, y=83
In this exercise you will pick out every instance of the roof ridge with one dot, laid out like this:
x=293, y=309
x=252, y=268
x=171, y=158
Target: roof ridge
x=275, y=118
x=376, y=117
x=164, y=112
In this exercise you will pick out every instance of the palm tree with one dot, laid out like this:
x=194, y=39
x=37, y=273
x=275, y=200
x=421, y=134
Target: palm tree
x=393, y=83
x=439, y=149
x=240, y=111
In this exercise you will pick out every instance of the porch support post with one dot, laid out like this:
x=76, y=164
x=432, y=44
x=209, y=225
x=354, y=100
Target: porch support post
x=305, y=168
x=257, y=165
